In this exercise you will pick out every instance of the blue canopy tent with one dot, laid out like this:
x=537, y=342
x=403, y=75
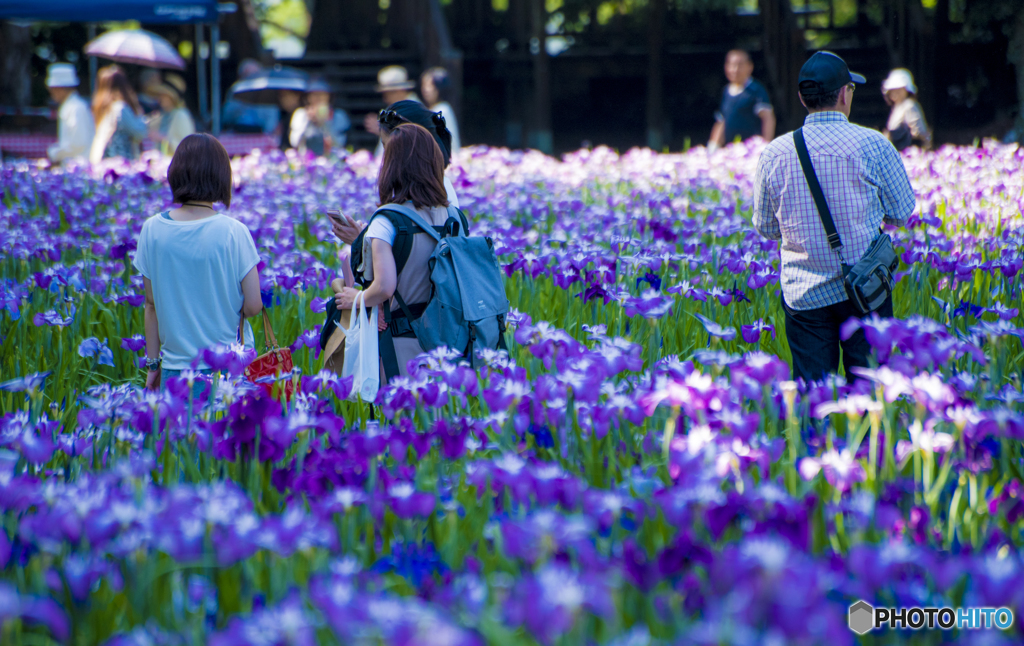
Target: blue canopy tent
x=163, y=12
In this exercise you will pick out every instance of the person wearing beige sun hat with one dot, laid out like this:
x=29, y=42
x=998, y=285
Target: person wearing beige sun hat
x=175, y=121
x=394, y=85
x=75, y=126
x=906, y=125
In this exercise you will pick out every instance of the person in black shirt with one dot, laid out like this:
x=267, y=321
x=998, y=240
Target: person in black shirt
x=746, y=109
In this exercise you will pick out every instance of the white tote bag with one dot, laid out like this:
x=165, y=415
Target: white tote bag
x=362, y=361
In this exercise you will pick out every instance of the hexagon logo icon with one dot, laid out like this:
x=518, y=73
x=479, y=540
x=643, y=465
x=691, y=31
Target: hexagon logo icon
x=862, y=617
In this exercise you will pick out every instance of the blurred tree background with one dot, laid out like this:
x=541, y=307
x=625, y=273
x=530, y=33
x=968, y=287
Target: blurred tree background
x=556, y=74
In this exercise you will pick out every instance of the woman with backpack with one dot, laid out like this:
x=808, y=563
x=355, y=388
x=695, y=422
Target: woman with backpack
x=412, y=174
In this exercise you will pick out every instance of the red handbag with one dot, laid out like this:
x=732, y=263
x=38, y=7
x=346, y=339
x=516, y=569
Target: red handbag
x=273, y=362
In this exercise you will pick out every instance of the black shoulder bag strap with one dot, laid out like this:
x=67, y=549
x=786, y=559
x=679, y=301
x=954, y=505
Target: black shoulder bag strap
x=819, y=197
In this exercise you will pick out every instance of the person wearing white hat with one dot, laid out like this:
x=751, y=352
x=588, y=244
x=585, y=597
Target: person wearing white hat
x=174, y=122
x=393, y=85
x=75, y=126
x=906, y=126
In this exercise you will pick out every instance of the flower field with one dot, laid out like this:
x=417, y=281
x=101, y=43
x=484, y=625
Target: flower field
x=638, y=470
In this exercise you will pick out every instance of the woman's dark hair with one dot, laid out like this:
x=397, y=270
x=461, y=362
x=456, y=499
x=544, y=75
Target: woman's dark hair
x=413, y=169
x=200, y=171
x=112, y=84
x=442, y=81
x=819, y=101
x=415, y=112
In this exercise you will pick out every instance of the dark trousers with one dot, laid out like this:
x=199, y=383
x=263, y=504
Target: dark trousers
x=814, y=341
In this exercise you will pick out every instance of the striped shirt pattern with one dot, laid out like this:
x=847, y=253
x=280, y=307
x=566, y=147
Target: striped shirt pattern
x=864, y=182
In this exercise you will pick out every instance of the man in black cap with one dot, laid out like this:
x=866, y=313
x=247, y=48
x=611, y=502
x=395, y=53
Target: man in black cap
x=864, y=184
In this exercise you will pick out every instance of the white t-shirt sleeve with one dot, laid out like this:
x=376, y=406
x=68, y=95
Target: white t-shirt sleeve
x=381, y=229
x=141, y=260
x=449, y=188
x=247, y=255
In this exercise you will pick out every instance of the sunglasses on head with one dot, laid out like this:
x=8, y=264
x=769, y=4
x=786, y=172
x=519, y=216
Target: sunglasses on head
x=390, y=118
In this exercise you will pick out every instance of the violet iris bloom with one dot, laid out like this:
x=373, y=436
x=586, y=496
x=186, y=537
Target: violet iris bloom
x=93, y=347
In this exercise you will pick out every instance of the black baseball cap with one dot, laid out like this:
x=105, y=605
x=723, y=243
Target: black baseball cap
x=825, y=72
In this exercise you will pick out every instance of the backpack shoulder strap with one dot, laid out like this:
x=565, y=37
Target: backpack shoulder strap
x=404, y=229
x=456, y=212
x=411, y=214
x=819, y=197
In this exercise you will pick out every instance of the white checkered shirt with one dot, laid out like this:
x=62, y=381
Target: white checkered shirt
x=864, y=183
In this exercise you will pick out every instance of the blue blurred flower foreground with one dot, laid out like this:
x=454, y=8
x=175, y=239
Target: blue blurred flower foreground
x=638, y=471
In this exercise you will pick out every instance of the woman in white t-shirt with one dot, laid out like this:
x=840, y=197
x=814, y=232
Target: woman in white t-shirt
x=411, y=174
x=198, y=265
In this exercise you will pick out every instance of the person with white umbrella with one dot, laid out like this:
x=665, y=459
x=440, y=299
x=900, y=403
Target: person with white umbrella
x=75, y=128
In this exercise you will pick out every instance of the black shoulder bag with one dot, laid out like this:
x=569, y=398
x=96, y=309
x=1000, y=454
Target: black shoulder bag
x=869, y=282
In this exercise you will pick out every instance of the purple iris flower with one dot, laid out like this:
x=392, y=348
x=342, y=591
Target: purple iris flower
x=289, y=622
x=714, y=329
x=724, y=296
x=51, y=317
x=652, y=279
x=310, y=339
x=841, y=469
x=550, y=602
x=135, y=343
x=409, y=503
x=1004, y=312
x=752, y=333
x=651, y=305
x=231, y=359
x=966, y=308
x=28, y=383
x=34, y=610
x=318, y=304
x=93, y=347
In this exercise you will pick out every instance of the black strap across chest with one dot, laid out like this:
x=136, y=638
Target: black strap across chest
x=819, y=197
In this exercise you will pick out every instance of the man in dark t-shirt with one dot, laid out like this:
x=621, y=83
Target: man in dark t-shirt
x=746, y=109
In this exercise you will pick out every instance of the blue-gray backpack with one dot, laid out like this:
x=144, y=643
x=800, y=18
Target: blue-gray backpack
x=467, y=306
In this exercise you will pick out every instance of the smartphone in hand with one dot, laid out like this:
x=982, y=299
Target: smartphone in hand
x=335, y=214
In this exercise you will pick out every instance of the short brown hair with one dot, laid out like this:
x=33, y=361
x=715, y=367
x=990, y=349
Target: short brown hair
x=200, y=171
x=413, y=169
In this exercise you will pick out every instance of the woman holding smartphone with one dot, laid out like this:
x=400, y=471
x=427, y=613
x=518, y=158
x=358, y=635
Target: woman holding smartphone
x=411, y=174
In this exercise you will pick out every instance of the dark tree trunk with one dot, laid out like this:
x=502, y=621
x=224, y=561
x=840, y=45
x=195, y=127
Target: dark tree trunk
x=541, y=138
x=15, y=65
x=344, y=24
x=655, y=82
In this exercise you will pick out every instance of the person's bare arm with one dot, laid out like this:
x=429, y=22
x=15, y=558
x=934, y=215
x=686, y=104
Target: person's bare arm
x=252, y=303
x=152, y=327
x=717, y=138
x=371, y=124
x=385, y=281
x=767, y=124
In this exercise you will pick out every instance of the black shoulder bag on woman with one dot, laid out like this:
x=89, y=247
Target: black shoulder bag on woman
x=869, y=282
